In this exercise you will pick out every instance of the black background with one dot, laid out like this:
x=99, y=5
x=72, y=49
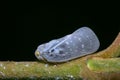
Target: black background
x=26, y=27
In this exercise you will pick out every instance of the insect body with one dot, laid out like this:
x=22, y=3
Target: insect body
x=81, y=42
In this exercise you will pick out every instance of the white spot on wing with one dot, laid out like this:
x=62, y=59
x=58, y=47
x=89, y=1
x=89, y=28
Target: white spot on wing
x=75, y=37
x=87, y=36
x=82, y=45
x=79, y=39
x=67, y=43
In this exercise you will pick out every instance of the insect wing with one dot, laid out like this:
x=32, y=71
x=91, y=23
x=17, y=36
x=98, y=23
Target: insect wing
x=81, y=42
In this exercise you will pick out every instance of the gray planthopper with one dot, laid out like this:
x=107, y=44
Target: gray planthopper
x=80, y=43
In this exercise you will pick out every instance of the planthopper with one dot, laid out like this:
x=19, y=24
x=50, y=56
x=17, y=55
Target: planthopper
x=81, y=42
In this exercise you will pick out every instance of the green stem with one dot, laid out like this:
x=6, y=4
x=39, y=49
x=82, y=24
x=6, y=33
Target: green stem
x=104, y=65
x=37, y=70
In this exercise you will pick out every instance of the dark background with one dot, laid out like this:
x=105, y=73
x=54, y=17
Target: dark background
x=26, y=28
